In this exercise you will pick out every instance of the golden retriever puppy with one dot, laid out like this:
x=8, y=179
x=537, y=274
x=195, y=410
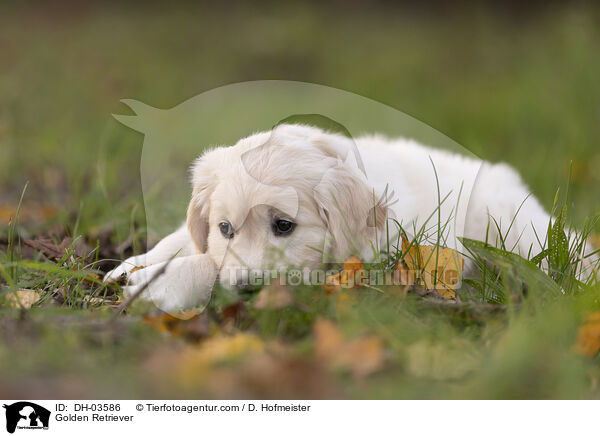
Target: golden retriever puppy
x=300, y=196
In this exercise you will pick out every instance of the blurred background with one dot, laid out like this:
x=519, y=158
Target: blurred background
x=509, y=82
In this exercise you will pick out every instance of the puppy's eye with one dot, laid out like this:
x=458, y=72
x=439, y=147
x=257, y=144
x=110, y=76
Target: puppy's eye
x=283, y=227
x=226, y=229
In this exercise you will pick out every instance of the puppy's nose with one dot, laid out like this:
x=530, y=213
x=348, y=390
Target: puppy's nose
x=247, y=289
x=246, y=281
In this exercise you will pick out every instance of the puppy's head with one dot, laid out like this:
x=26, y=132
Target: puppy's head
x=282, y=198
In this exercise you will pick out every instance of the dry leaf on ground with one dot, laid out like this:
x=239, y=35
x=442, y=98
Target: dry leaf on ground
x=595, y=240
x=333, y=284
x=194, y=362
x=23, y=299
x=194, y=327
x=52, y=251
x=361, y=356
x=588, y=336
x=352, y=275
x=274, y=296
x=443, y=276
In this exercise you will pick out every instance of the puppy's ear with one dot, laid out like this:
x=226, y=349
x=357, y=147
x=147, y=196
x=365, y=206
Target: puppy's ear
x=351, y=211
x=203, y=181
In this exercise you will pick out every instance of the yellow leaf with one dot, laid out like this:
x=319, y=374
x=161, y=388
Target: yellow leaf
x=23, y=299
x=353, y=275
x=588, y=336
x=405, y=278
x=353, y=272
x=443, y=276
x=176, y=325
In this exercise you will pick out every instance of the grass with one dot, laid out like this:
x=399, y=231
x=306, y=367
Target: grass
x=507, y=88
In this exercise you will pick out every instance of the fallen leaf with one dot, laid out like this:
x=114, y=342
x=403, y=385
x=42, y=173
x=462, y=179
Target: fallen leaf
x=588, y=336
x=443, y=276
x=91, y=279
x=194, y=362
x=405, y=277
x=353, y=272
x=353, y=275
x=595, y=240
x=264, y=375
x=22, y=299
x=274, y=296
x=47, y=247
x=234, y=313
x=53, y=251
x=186, y=324
x=332, y=284
x=361, y=356
x=328, y=338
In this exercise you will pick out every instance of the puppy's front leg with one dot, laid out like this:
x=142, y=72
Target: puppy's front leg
x=178, y=243
x=177, y=284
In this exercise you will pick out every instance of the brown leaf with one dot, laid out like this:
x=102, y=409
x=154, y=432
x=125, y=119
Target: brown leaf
x=91, y=279
x=53, y=251
x=46, y=246
x=328, y=339
x=361, y=356
x=595, y=240
x=274, y=296
x=239, y=367
x=194, y=363
x=267, y=376
x=234, y=313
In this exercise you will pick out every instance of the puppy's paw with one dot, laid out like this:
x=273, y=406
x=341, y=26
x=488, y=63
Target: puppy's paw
x=124, y=270
x=180, y=284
